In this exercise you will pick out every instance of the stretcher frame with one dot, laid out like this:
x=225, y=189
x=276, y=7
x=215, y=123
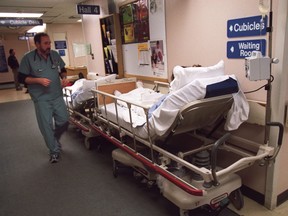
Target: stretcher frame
x=222, y=180
x=216, y=184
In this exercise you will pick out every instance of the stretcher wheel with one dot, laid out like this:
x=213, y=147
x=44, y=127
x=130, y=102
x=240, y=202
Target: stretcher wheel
x=98, y=148
x=237, y=199
x=87, y=143
x=150, y=184
x=115, y=169
x=184, y=212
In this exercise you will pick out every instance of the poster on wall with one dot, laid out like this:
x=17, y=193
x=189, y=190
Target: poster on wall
x=129, y=33
x=3, y=62
x=143, y=54
x=157, y=57
x=134, y=21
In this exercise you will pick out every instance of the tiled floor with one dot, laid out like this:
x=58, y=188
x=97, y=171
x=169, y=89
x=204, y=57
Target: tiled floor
x=8, y=95
x=251, y=208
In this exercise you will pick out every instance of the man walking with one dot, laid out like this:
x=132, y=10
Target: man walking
x=44, y=73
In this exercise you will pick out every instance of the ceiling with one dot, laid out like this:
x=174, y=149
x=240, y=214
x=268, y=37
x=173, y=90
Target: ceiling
x=54, y=11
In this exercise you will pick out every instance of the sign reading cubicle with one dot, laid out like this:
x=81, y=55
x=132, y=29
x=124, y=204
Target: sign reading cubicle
x=246, y=27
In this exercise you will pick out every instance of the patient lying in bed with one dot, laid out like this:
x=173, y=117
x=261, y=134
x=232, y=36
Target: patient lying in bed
x=164, y=109
x=81, y=89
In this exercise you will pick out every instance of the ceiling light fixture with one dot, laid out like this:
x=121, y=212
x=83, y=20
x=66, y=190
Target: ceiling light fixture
x=38, y=28
x=23, y=15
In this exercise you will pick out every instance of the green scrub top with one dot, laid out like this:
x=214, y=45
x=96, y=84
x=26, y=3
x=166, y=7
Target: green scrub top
x=34, y=65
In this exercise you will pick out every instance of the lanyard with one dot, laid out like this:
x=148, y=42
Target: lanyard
x=53, y=65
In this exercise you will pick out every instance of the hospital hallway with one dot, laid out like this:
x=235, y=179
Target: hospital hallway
x=81, y=183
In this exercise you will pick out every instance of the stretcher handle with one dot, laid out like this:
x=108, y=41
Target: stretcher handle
x=281, y=129
x=280, y=137
x=214, y=150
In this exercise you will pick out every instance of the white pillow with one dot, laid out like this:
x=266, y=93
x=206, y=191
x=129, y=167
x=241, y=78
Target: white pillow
x=183, y=76
x=88, y=84
x=76, y=86
x=93, y=76
x=109, y=78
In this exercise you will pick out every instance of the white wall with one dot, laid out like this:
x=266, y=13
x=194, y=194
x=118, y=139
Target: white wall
x=196, y=34
x=92, y=34
x=74, y=34
x=279, y=97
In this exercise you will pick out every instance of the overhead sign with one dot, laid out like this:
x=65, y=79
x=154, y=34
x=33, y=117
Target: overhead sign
x=244, y=48
x=249, y=26
x=22, y=37
x=20, y=22
x=30, y=34
x=88, y=9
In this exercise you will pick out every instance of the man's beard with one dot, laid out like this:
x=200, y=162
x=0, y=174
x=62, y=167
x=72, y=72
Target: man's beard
x=46, y=52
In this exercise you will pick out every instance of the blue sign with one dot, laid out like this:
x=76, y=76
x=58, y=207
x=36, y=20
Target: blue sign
x=88, y=9
x=244, y=48
x=60, y=44
x=245, y=27
x=61, y=52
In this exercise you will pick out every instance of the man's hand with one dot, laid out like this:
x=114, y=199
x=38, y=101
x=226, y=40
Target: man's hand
x=44, y=81
x=64, y=82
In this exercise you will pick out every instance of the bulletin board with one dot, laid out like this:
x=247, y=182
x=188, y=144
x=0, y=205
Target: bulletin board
x=140, y=43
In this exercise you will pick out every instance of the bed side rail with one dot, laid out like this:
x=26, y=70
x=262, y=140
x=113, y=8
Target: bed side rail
x=122, y=85
x=158, y=84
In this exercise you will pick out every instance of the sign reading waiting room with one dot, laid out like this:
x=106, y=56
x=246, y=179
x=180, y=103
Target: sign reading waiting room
x=248, y=26
x=244, y=48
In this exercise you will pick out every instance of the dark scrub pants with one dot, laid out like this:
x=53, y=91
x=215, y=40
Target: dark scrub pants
x=52, y=118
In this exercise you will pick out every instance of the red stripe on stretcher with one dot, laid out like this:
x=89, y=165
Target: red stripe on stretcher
x=165, y=174
x=79, y=125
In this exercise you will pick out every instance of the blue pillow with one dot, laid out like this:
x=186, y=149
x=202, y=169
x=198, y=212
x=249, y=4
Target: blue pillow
x=228, y=86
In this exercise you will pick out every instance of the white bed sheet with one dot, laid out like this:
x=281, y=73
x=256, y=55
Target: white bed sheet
x=163, y=117
x=81, y=89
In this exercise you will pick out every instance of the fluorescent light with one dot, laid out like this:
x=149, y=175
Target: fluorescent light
x=38, y=28
x=80, y=20
x=34, y=15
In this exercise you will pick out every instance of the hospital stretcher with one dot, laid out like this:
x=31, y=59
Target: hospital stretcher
x=81, y=110
x=188, y=177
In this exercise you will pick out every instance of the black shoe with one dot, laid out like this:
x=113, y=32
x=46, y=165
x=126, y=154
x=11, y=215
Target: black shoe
x=54, y=158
